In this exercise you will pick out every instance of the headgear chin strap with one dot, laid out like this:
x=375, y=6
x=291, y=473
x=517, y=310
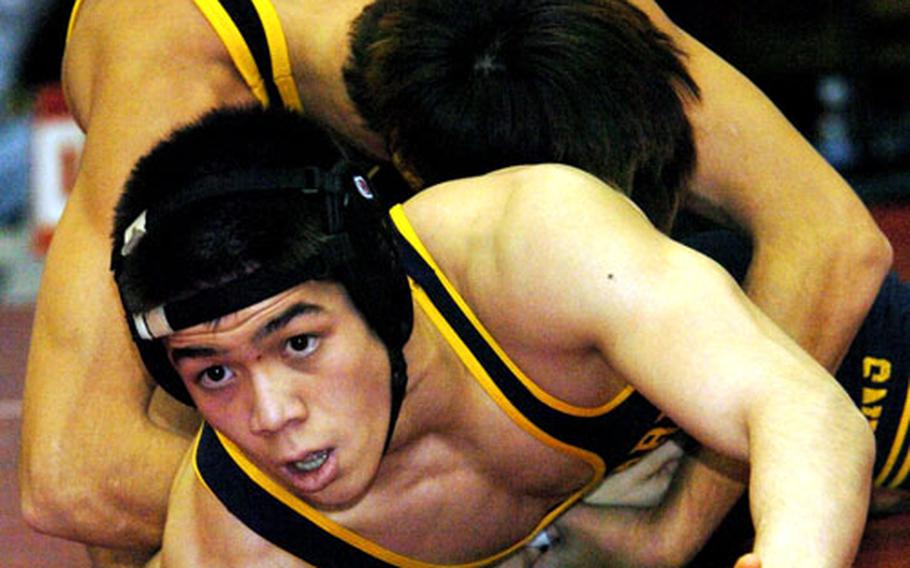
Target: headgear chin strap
x=343, y=188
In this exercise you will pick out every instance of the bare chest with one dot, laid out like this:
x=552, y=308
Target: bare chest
x=465, y=499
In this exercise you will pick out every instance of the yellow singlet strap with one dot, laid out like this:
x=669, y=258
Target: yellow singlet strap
x=72, y=22
x=282, y=73
x=233, y=41
x=407, y=231
x=240, y=53
x=280, y=493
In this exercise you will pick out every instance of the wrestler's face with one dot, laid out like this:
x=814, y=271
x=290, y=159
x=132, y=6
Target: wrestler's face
x=300, y=384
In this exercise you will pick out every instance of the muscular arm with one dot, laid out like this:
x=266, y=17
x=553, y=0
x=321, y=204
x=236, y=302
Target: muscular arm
x=819, y=257
x=813, y=277
x=726, y=375
x=93, y=466
x=597, y=533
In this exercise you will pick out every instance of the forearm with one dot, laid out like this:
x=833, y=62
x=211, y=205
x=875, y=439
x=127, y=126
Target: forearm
x=810, y=481
x=818, y=285
x=93, y=467
x=819, y=256
x=704, y=489
x=101, y=479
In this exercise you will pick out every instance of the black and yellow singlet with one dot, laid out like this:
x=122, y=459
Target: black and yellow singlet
x=607, y=437
x=876, y=374
x=252, y=34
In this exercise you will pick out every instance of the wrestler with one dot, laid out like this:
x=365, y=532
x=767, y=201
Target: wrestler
x=134, y=70
x=524, y=82
x=543, y=336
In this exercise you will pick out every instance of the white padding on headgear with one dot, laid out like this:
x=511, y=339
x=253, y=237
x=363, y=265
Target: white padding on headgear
x=133, y=234
x=152, y=324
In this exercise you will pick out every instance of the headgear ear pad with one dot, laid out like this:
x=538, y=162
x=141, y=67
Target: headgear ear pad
x=360, y=254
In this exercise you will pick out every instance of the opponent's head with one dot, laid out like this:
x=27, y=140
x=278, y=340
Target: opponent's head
x=462, y=88
x=238, y=207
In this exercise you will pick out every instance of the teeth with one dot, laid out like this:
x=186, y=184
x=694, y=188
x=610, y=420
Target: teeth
x=312, y=462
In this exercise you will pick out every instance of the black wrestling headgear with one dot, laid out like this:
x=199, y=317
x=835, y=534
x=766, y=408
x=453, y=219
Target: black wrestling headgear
x=165, y=287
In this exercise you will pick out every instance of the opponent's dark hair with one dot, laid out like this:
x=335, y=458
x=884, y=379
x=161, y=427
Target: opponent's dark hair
x=252, y=198
x=463, y=87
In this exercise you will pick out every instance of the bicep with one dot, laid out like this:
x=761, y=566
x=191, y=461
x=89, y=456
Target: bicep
x=664, y=318
x=688, y=339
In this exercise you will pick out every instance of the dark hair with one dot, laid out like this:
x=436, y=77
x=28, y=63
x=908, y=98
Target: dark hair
x=463, y=87
x=245, y=200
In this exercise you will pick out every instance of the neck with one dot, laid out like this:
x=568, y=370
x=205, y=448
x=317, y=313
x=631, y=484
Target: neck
x=432, y=403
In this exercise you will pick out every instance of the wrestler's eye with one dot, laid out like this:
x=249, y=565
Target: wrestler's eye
x=214, y=377
x=301, y=345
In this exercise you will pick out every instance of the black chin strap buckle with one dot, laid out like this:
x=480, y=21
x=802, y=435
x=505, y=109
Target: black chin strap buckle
x=399, y=384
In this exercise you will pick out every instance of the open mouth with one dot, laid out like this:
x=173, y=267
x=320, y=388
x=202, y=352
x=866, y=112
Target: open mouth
x=314, y=471
x=311, y=462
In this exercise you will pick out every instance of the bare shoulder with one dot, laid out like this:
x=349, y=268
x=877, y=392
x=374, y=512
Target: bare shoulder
x=140, y=44
x=547, y=193
x=498, y=217
x=136, y=25
x=506, y=195
x=552, y=208
x=507, y=237
x=134, y=70
x=459, y=221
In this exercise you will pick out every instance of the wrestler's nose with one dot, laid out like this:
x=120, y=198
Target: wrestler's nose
x=277, y=399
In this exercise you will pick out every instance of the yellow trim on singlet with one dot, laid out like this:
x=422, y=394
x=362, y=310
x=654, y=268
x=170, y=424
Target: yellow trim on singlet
x=595, y=461
x=278, y=49
x=72, y=22
x=486, y=382
x=345, y=534
x=896, y=447
x=233, y=41
x=405, y=228
x=240, y=53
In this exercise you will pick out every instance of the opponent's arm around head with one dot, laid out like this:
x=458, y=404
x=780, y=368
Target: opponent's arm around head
x=94, y=468
x=819, y=256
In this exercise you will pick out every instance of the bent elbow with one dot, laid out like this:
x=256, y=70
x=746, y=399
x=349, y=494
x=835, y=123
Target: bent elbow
x=863, y=257
x=58, y=501
x=875, y=253
x=36, y=509
x=865, y=443
x=855, y=433
x=48, y=506
x=858, y=245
